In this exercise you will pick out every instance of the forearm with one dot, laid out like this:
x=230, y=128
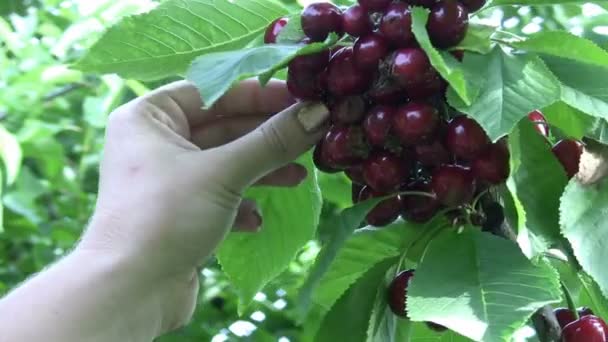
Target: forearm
x=84, y=297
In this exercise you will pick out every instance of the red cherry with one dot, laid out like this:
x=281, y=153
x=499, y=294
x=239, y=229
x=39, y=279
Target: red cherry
x=473, y=5
x=568, y=152
x=465, y=138
x=384, y=172
x=411, y=68
x=321, y=161
x=540, y=123
x=396, y=24
x=355, y=174
x=432, y=154
x=356, y=21
x=321, y=18
x=273, y=30
x=347, y=110
x=586, y=329
x=492, y=165
x=387, y=92
x=448, y=23
x=453, y=184
x=397, y=293
x=369, y=50
x=385, y=212
x=374, y=5
x=419, y=208
x=431, y=87
x=344, y=146
x=377, y=124
x=564, y=316
x=343, y=77
x=415, y=122
x=312, y=63
x=306, y=85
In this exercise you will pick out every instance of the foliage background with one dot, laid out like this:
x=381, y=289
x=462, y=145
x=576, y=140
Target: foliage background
x=51, y=136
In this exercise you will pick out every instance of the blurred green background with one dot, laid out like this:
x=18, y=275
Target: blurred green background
x=52, y=123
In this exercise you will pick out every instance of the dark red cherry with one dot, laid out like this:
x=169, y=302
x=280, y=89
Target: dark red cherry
x=321, y=160
x=321, y=18
x=411, y=68
x=448, y=23
x=429, y=88
x=386, y=91
x=347, y=110
x=306, y=85
x=586, y=329
x=436, y=327
x=384, y=172
x=492, y=165
x=374, y=5
x=343, y=77
x=385, y=212
x=454, y=185
x=356, y=21
x=312, y=63
x=473, y=5
x=369, y=50
x=344, y=146
x=377, y=124
x=432, y=154
x=418, y=208
x=396, y=24
x=355, y=174
x=415, y=123
x=465, y=138
x=568, y=152
x=540, y=123
x=564, y=316
x=273, y=30
x=397, y=293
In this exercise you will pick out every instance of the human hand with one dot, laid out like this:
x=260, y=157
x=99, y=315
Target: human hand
x=173, y=175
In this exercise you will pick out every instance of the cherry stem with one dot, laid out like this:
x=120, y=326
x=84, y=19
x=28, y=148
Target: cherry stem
x=417, y=193
x=569, y=301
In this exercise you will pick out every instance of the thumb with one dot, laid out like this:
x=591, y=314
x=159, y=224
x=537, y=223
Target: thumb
x=280, y=140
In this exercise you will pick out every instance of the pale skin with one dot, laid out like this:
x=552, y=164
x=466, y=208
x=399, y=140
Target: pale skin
x=172, y=179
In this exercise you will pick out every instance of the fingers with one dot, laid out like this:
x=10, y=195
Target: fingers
x=278, y=141
x=290, y=175
x=222, y=131
x=248, y=217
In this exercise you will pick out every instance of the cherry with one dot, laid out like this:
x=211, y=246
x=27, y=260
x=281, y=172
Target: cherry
x=306, y=85
x=355, y=174
x=369, y=50
x=432, y=154
x=453, y=184
x=568, y=152
x=374, y=5
x=321, y=161
x=436, y=327
x=565, y=316
x=540, y=123
x=448, y=23
x=434, y=85
x=384, y=172
x=492, y=165
x=397, y=292
x=465, y=138
x=311, y=63
x=411, y=68
x=344, y=146
x=343, y=77
x=321, y=18
x=473, y=5
x=418, y=208
x=386, y=91
x=347, y=110
x=356, y=21
x=377, y=124
x=415, y=122
x=385, y=212
x=587, y=329
x=396, y=24
x=273, y=30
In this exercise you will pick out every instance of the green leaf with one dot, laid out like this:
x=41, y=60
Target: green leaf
x=479, y=285
x=591, y=296
x=513, y=86
x=214, y=73
x=535, y=170
x=166, y=40
x=343, y=226
x=447, y=66
x=566, y=45
x=365, y=248
x=10, y=152
x=494, y=3
x=583, y=85
x=573, y=123
x=477, y=39
x=421, y=333
x=349, y=317
x=292, y=33
x=290, y=221
x=336, y=188
x=583, y=213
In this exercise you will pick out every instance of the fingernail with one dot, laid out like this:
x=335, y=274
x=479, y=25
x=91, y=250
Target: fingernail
x=313, y=116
